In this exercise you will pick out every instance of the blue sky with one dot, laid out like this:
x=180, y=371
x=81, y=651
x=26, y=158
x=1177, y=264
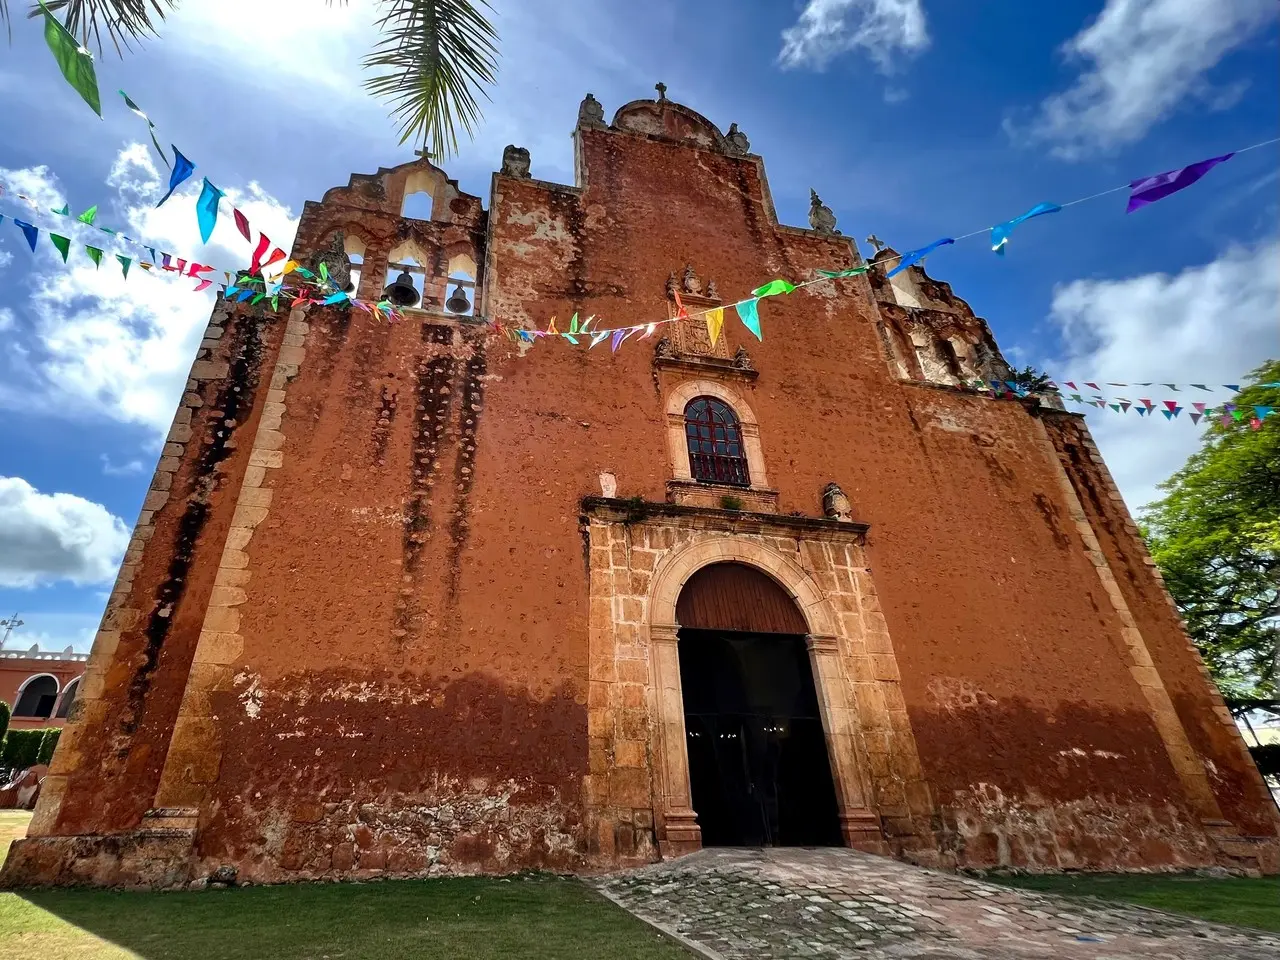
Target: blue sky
x=913, y=119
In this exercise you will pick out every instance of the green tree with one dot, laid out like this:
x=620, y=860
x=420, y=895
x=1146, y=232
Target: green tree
x=435, y=56
x=4, y=720
x=1216, y=538
x=1032, y=380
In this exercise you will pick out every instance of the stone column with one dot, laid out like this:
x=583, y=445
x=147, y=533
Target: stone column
x=859, y=826
x=680, y=832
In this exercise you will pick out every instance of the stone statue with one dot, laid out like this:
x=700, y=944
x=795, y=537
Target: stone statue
x=336, y=261
x=515, y=162
x=835, y=505
x=739, y=145
x=989, y=364
x=672, y=286
x=663, y=350
x=590, y=112
x=608, y=485
x=690, y=282
x=821, y=218
x=712, y=292
x=742, y=360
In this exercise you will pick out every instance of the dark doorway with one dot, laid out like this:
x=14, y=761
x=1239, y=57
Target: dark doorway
x=758, y=766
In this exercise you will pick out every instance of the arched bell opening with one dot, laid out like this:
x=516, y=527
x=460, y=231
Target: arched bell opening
x=759, y=771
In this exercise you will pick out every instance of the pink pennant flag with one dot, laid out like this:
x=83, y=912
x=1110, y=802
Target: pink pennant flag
x=242, y=224
x=1070, y=384
x=1255, y=423
x=1171, y=404
x=276, y=256
x=1199, y=406
x=263, y=242
x=1092, y=385
x=202, y=285
x=1146, y=403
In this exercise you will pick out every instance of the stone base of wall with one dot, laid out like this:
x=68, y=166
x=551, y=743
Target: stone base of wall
x=150, y=860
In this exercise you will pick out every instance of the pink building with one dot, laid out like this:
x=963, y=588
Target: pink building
x=39, y=685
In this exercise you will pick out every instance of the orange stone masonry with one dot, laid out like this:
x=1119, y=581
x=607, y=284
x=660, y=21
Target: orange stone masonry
x=402, y=597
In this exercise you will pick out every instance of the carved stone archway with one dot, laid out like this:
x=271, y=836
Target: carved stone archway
x=678, y=830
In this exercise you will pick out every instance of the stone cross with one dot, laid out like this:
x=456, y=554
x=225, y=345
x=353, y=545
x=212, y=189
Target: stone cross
x=424, y=154
x=876, y=242
x=662, y=91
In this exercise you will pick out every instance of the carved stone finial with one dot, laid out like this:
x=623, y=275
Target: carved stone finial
x=690, y=282
x=876, y=243
x=336, y=261
x=835, y=505
x=590, y=112
x=662, y=92
x=742, y=360
x=739, y=145
x=712, y=292
x=663, y=350
x=515, y=162
x=821, y=218
x=672, y=286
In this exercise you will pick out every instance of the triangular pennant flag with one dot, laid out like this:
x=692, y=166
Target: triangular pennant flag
x=715, y=320
x=1171, y=404
x=1238, y=414
x=73, y=60
x=1143, y=411
x=276, y=256
x=1226, y=420
x=914, y=256
x=263, y=242
x=1125, y=405
x=551, y=328
x=1000, y=232
x=1146, y=403
x=62, y=211
x=837, y=274
x=1171, y=386
x=1262, y=412
x=207, y=209
x=151, y=127
x=182, y=169
x=1195, y=417
x=616, y=341
x=1168, y=414
x=1157, y=187
x=89, y=215
x=1199, y=406
x=260, y=296
x=573, y=328
x=597, y=337
x=1114, y=406
x=29, y=231
x=63, y=244
x=648, y=331
x=124, y=263
x=242, y=224
x=94, y=254
x=202, y=285
x=1233, y=387
x=1255, y=424
x=585, y=323
x=773, y=288
x=1092, y=386
x=1201, y=386
x=339, y=297
x=1075, y=398
x=1070, y=384
x=681, y=312
x=749, y=314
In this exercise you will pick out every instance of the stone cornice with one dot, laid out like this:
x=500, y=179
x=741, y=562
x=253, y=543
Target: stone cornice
x=618, y=510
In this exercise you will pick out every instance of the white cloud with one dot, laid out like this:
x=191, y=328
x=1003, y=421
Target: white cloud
x=7, y=321
x=52, y=631
x=1141, y=59
x=885, y=30
x=108, y=347
x=1209, y=324
x=51, y=537
x=127, y=469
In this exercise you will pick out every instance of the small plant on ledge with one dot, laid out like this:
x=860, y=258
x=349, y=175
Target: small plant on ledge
x=730, y=502
x=637, y=509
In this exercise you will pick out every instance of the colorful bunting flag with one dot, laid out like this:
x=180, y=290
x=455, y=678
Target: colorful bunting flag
x=124, y=263
x=915, y=256
x=62, y=243
x=1158, y=186
x=94, y=254
x=207, y=209
x=151, y=127
x=89, y=215
x=1262, y=412
x=837, y=274
x=1000, y=232
x=715, y=321
x=29, y=231
x=749, y=314
x=263, y=242
x=773, y=288
x=73, y=60
x=242, y=224
x=182, y=169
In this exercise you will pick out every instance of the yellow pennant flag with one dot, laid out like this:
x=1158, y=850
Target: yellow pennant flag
x=715, y=320
x=551, y=328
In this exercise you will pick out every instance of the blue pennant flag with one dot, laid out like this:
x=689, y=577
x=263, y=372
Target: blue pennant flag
x=1000, y=232
x=182, y=168
x=207, y=209
x=749, y=314
x=29, y=231
x=915, y=256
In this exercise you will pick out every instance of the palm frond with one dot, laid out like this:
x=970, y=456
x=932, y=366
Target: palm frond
x=124, y=20
x=434, y=58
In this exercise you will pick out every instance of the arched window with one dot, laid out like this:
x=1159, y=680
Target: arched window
x=38, y=696
x=714, y=436
x=68, y=698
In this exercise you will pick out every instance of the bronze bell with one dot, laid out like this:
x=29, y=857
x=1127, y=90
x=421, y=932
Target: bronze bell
x=457, y=302
x=402, y=293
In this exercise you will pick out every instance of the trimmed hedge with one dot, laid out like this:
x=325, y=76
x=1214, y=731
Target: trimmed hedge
x=26, y=748
x=4, y=719
x=1267, y=757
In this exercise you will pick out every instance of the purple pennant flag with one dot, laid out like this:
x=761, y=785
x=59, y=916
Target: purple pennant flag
x=1157, y=187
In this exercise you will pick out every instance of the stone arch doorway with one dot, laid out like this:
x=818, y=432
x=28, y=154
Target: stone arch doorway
x=759, y=773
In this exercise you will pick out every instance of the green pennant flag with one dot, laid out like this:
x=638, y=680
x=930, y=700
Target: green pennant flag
x=275, y=302
x=62, y=243
x=89, y=215
x=95, y=255
x=573, y=329
x=124, y=263
x=256, y=299
x=837, y=274
x=65, y=211
x=73, y=60
x=773, y=288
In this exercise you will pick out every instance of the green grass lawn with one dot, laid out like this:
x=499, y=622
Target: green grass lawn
x=1237, y=900
x=467, y=918
x=13, y=826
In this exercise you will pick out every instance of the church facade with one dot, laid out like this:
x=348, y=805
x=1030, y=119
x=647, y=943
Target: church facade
x=417, y=597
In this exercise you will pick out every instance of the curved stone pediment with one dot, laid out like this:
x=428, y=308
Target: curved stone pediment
x=670, y=121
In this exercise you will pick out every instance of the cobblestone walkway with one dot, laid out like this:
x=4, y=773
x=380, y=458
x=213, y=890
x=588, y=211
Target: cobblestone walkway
x=788, y=903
